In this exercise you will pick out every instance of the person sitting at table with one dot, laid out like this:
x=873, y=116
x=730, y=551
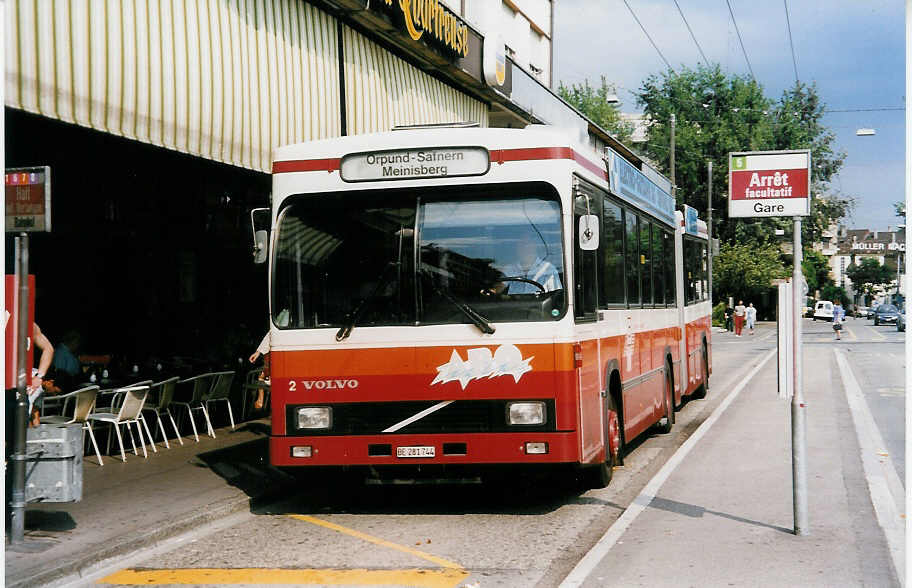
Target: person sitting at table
x=66, y=364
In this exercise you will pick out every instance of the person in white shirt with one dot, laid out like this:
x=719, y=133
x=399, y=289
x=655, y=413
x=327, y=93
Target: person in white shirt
x=531, y=266
x=750, y=317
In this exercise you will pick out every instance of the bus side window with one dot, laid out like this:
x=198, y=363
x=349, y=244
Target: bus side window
x=632, y=255
x=646, y=262
x=658, y=267
x=671, y=290
x=585, y=263
x=612, y=245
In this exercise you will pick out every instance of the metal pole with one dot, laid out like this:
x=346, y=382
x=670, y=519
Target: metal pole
x=709, y=232
x=799, y=441
x=672, y=154
x=17, y=500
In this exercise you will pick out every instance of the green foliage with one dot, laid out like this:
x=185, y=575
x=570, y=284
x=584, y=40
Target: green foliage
x=718, y=114
x=869, y=275
x=834, y=293
x=593, y=102
x=718, y=315
x=746, y=270
x=900, y=208
x=816, y=270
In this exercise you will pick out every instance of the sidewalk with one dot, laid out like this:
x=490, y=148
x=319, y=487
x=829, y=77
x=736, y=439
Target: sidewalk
x=724, y=515
x=127, y=506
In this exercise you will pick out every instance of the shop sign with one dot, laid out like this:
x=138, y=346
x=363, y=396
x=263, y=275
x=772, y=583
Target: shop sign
x=769, y=183
x=494, y=60
x=878, y=246
x=443, y=28
x=412, y=164
x=28, y=199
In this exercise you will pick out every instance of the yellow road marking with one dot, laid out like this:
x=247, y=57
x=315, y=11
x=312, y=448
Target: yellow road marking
x=426, y=556
x=435, y=578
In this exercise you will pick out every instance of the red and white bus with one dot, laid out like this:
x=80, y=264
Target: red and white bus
x=476, y=297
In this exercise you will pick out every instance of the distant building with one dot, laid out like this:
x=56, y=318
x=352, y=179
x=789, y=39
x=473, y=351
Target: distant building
x=844, y=247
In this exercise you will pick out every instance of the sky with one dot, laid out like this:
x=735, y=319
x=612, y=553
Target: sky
x=853, y=49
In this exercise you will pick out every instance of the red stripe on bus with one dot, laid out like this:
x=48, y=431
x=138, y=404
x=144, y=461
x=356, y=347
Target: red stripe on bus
x=497, y=156
x=305, y=165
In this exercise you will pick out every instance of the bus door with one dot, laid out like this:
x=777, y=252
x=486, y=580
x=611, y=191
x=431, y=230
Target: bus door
x=587, y=350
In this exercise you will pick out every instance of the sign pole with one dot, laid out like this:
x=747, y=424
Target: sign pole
x=18, y=457
x=799, y=440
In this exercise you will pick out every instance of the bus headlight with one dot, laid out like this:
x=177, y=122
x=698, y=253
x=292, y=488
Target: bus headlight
x=314, y=417
x=526, y=413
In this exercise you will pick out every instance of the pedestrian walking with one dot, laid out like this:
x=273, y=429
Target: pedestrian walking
x=838, y=317
x=740, y=312
x=750, y=317
x=729, y=320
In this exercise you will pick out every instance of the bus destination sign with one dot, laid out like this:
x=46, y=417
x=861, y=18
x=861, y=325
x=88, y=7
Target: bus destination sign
x=413, y=164
x=28, y=199
x=769, y=183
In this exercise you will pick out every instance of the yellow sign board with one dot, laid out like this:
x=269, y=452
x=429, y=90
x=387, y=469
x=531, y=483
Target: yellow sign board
x=433, y=18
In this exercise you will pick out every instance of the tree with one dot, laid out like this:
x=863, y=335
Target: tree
x=745, y=271
x=816, y=270
x=869, y=276
x=835, y=293
x=717, y=114
x=593, y=102
x=900, y=208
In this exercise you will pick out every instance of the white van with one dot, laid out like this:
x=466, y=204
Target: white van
x=823, y=310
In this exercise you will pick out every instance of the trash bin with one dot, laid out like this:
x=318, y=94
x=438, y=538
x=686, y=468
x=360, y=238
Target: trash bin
x=53, y=467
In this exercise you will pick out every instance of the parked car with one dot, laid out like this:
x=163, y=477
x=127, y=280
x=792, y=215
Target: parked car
x=823, y=310
x=862, y=311
x=901, y=321
x=886, y=313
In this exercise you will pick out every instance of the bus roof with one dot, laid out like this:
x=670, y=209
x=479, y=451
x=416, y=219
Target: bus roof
x=490, y=138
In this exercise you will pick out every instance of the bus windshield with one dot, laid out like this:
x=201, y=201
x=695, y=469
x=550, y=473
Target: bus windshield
x=419, y=257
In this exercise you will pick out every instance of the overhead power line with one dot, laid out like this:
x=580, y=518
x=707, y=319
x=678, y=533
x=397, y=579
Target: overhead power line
x=647, y=35
x=791, y=42
x=692, y=36
x=740, y=40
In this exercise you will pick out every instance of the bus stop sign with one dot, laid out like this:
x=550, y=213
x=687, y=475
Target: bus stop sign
x=28, y=199
x=769, y=183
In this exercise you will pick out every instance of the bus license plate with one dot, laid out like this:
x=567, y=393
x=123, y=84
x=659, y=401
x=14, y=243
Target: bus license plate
x=415, y=451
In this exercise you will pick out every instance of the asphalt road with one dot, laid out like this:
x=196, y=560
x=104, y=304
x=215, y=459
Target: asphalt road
x=878, y=360
x=514, y=533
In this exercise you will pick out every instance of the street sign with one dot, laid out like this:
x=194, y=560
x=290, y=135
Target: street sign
x=28, y=199
x=769, y=183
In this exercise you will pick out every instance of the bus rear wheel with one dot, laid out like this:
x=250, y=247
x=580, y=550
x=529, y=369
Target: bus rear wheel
x=701, y=391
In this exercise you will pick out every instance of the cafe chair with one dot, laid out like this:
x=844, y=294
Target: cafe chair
x=84, y=402
x=129, y=413
x=220, y=391
x=163, y=393
x=202, y=384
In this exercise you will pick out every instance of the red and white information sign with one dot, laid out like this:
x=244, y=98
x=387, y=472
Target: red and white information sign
x=28, y=199
x=769, y=183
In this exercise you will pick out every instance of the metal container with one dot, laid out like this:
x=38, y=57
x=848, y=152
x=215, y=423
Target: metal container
x=53, y=468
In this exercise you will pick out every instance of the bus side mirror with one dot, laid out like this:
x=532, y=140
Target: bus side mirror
x=261, y=236
x=588, y=232
x=260, y=246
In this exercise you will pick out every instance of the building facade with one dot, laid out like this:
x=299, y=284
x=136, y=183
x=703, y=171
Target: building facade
x=844, y=247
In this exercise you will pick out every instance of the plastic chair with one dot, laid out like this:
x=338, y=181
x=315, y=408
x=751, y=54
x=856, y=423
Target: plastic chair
x=165, y=394
x=221, y=391
x=202, y=384
x=130, y=413
x=252, y=382
x=84, y=400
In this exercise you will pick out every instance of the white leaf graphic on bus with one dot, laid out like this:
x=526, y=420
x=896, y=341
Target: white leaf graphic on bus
x=506, y=360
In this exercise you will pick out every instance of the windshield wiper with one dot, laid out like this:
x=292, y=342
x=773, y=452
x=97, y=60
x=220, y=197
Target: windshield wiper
x=479, y=321
x=356, y=314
